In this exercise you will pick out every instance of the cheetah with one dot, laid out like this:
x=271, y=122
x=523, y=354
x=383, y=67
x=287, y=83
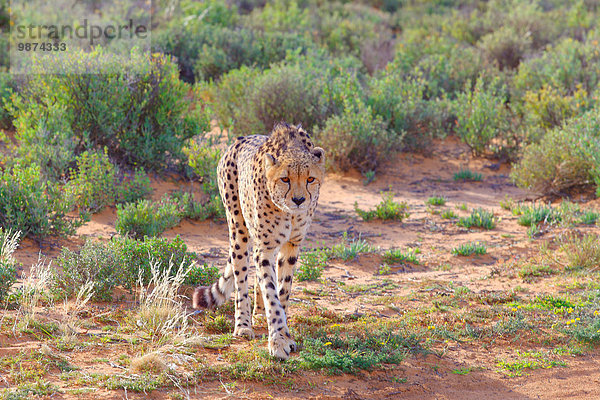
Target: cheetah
x=269, y=186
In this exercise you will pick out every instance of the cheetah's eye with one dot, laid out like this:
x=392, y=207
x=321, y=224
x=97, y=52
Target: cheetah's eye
x=310, y=180
x=285, y=180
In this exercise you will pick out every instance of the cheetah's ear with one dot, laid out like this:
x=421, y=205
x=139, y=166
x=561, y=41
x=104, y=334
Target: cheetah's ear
x=270, y=161
x=319, y=153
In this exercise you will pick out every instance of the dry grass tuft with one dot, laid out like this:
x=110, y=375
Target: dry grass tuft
x=151, y=362
x=161, y=314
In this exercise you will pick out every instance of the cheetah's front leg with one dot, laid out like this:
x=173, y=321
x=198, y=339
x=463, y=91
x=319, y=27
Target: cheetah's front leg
x=281, y=343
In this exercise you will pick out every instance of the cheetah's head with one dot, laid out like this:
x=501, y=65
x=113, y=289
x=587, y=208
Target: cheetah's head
x=294, y=179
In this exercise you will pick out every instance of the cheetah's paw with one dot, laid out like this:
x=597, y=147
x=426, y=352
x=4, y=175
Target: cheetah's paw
x=281, y=346
x=245, y=332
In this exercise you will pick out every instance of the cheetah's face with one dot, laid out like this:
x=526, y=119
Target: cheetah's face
x=294, y=185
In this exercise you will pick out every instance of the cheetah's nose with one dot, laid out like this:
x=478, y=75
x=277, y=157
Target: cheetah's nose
x=298, y=200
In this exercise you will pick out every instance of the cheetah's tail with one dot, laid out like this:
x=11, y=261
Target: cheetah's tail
x=216, y=294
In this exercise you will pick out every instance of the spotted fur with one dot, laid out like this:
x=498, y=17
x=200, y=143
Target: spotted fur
x=270, y=188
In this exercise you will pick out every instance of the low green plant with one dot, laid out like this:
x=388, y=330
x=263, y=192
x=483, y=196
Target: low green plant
x=349, y=249
x=536, y=214
x=479, y=218
x=352, y=352
x=311, y=265
x=385, y=210
x=589, y=217
x=436, y=201
x=396, y=256
x=448, y=214
x=531, y=271
x=470, y=248
x=467, y=175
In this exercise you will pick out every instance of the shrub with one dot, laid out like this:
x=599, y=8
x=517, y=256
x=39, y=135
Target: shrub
x=566, y=65
x=33, y=206
x=548, y=108
x=564, y=158
x=356, y=138
x=126, y=262
x=95, y=262
x=398, y=101
x=202, y=275
x=134, y=187
x=146, y=218
x=387, y=209
x=448, y=214
x=203, y=158
x=92, y=185
x=479, y=218
x=136, y=257
x=138, y=109
x=206, y=51
x=505, y=47
x=483, y=120
x=7, y=86
x=470, y=248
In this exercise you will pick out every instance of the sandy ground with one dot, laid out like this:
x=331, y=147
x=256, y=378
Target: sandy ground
x=413, y=178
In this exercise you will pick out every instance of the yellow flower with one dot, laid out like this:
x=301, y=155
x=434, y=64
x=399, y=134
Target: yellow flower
x=596, y=312
x=328, y=344
x=430, y=327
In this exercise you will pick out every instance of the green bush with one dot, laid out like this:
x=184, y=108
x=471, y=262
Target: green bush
x=548, y=108
x=565, y=157
x=138, y=109
x=95, y=262
x=399, y=101
x=135, y=257
x=92, y=184
x=30, y=204
x=356, y=138
x=203, y=158
x=207, y=51
x=483, y=119
x=505, y=47
x=134, y=187
x=147, y=218
x=567, y=65
x=202, y=275
x=122, y=262
x=7, y=87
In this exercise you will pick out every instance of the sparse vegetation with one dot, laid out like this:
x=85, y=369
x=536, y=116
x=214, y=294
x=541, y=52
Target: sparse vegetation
x=513, y=84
